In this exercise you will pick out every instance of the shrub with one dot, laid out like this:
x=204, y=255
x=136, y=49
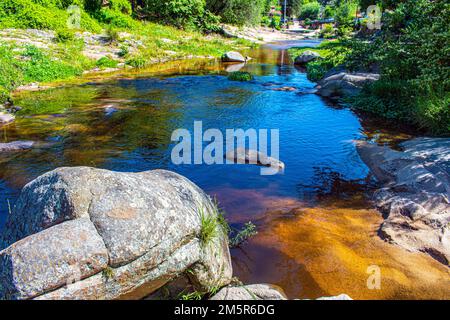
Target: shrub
x=65, y=35
x=240, y=76
x=105, y=62
x=137, y=62
x=10, y=71
x=39, y=67
x=310, y=11
x=238, y=12
x=327, y=31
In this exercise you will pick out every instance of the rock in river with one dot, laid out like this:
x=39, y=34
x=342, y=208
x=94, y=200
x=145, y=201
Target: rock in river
x=16, y=146
x=415, y=193
x=233, y=56
x=306, y=57
x=6, y=118
x=344, y=84
x=248, y=156
x=85, y=233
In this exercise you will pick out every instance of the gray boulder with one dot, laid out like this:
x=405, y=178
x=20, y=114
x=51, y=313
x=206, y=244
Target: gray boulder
x=251, y=292
x=16, y=146
x=414, y=195
x=233, y=56
x=306, y=57
x=147, y=225
x=344, y=83
x=6, y=118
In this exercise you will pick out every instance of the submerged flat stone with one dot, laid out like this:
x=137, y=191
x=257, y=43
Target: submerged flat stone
x=16, y=146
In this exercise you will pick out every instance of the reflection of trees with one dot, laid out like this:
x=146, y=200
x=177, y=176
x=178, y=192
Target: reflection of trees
x=328, y=185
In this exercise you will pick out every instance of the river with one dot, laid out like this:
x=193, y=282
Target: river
x=317, y=230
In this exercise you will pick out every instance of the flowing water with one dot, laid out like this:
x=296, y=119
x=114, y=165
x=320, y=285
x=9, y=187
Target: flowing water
x=317, y=232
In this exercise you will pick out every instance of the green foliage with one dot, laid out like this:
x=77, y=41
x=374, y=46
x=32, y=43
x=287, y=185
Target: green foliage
x=187, y=14
x=10, y=72
x=41, y=68
x=248, y=231
x=240, y=76
x=344, y=16
x=239, y=12
x=105, y=62
x=327, y=31
x=65, y=35
x=310, y=11
x=412, y=54
x=137, y=62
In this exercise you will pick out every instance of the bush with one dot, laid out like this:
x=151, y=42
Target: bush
x=10, y=71
x=137, y=62
x=327, y=31
x=239, y=12
x=39, y=67
x=105, y=62
x=240, y=76
x=64, y=35
x=310, y=11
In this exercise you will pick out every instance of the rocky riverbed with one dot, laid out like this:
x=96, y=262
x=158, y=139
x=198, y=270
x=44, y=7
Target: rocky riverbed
x=415, y=192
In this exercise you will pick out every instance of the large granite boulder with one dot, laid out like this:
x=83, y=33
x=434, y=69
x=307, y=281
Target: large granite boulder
x=233, y=56
x=306, y=57
x=85, y=233
x=344, y=83
x=415, y=193
x=251, y=292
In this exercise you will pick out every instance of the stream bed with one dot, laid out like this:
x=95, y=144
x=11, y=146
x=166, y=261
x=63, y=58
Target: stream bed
x=317, y=230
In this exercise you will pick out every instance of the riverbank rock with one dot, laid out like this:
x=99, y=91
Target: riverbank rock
x=6, y=118
x=415, y=193
x=344, y=84
x=85, y=233
x=233, y=56
x=16, y=146
x=306, y=57
x=251, y=292
x=249, y=156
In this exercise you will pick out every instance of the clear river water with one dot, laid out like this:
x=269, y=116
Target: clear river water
x=317, y=230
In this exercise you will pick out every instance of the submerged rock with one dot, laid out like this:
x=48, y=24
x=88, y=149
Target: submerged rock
x=233, y=56
x=123, y=235
x=16, y=146
x=415, y=193
x=248, y=156
x=344, y=83
x=306, y=57
x=6, y=118
x=251, y=292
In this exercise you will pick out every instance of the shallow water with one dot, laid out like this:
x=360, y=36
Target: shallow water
x=317, y=231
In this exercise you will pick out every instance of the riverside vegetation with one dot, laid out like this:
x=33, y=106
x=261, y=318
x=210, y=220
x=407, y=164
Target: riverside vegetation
x=410, y=52
x=137, y=32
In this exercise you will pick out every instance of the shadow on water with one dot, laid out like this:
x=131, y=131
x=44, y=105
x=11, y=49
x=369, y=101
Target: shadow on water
x=317, y=231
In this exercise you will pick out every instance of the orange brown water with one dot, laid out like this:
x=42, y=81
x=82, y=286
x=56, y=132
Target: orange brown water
x=325, y=250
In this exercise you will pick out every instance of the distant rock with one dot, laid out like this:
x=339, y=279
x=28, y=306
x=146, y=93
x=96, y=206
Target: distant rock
x=233, y=56
x=16, y=146
x=251, y=292
x=306, y=57
x=85, y=233
x=6, y=118
x=344, y=84
x=415, y=193
x=248, y=156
